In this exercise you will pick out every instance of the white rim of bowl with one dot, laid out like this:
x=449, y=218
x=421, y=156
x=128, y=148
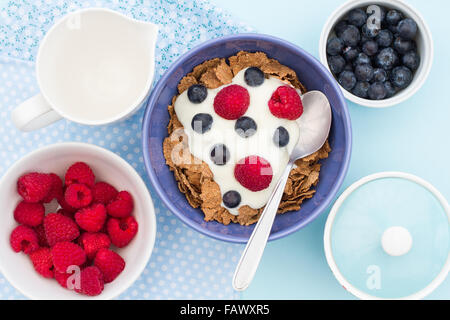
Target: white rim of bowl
x=420, y=77
x=138, y=180
x=329, y=225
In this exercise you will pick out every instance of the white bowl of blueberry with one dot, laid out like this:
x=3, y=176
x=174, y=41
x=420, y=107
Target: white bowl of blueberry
x=379, y=51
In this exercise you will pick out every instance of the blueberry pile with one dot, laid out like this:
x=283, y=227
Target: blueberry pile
x=374, y=63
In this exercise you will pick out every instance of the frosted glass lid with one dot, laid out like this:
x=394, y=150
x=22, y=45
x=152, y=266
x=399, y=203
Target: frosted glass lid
x=388, y=237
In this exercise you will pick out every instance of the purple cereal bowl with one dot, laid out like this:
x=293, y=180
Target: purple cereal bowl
x=311, y=73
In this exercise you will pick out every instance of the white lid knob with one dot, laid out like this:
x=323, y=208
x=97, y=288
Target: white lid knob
x=396, y=241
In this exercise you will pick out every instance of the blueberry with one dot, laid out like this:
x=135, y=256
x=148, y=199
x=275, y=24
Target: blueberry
x=377, y=91
x=357, y=17
x=336, y=63
x=379, y=75
x=385, y=38
x=390, y=89
x=403, y=46
x=370, y=48
x=401, y=77
x=254, y=77
x=281, y=137
x=361, y=89
x=393, y=17
x=335, y=46
x=231, y=199
x=201, y=122
x=220, y=154
x=386, y=59
x=407, y=29
x=348, y=67
x=351, y=36
x=340, y=27
x=350, y=53
x=362, y=59
x=383, y=14
x=197, y=93
x=364, y=39
x=369, y=32
x=393, y=29
x=364, y=72
x=245, y=127
x=347, y=80
x=411, y=60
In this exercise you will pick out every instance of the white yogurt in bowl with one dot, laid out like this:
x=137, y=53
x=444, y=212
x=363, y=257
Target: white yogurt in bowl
x=223, y=132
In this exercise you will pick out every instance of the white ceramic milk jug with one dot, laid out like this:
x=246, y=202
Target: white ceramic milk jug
x=95, y=66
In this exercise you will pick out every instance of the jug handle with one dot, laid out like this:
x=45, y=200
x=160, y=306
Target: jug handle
x=33, y=114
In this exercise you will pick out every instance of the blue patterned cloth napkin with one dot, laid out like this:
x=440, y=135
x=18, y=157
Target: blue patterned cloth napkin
x=184, y=263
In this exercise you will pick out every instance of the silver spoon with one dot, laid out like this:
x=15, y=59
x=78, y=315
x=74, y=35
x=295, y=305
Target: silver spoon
x=314, y=126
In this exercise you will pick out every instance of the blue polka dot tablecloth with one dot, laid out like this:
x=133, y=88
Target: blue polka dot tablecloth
x=184, y=263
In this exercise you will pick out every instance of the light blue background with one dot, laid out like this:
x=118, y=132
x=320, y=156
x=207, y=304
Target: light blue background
x=411, y=137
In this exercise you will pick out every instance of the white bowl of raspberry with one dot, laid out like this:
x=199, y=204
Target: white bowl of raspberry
x=379, y=51
x=74, y=231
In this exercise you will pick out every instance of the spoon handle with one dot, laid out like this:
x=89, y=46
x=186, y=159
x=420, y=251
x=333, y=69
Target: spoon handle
x=248, y=264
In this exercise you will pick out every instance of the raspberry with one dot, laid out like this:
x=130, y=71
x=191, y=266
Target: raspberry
x=66, y=213
x=232, y=102
x=66, y=254
x=121, y=206
x=24, y=239
x=110, y=264
x=56, y=190
x=254, y=173
x=59, y=228
x=40, y=232
x=65, y=206
x=62, y=277
x=104, y=192
x=92, y=242
x=29, y=214
x=80, y=172
x=121, y=231
x=78, y=195
x=42, y=262
x=34, y=186
x=91, y=218
x=285, y=103
x=91, y=282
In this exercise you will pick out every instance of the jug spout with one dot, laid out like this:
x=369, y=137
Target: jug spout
x=144, y=30
x=152, y=30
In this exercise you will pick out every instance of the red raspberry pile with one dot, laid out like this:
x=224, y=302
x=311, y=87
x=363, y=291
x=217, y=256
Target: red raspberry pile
x=93, y=217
